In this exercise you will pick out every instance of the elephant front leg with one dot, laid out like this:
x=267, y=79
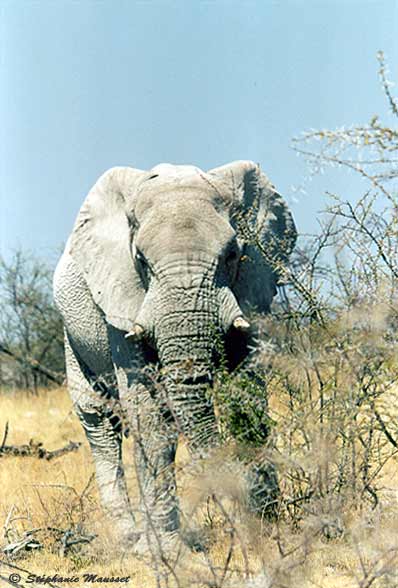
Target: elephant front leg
x=106, y=447
x=103, y=432
x=155, y=439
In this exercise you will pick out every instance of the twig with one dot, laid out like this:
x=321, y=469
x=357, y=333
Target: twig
x=4, y=436
x=385, y=430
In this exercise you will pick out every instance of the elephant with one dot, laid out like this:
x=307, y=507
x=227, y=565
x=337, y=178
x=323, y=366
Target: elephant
x=161, y=269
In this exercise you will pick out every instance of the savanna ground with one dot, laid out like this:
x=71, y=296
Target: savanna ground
x=62, y=494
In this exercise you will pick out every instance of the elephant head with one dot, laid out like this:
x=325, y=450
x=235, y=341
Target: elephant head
x=177, y=257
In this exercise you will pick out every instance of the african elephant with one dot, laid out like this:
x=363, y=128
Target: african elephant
x=160, y=267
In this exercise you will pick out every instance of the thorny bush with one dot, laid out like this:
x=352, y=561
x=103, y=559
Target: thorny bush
x=323, y=406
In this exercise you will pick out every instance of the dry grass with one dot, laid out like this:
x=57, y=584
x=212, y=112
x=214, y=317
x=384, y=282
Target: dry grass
x=41, y=494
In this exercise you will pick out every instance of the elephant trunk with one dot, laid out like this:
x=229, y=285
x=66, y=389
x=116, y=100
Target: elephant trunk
x=187, y=383
x=187, y=337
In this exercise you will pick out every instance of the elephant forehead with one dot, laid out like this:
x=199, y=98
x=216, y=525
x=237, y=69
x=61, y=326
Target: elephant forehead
x=157, y=198
x=184, y=224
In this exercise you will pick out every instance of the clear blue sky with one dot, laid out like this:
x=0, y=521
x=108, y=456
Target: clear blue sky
x=86, y=85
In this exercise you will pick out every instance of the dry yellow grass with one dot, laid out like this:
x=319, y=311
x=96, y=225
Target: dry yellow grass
x=37, y=494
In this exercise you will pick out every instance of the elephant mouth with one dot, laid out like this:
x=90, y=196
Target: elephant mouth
x=236, y=348
x=149, y=352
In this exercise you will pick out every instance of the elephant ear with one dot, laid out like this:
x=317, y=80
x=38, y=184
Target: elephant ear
x=265, y=229
x=100, y=244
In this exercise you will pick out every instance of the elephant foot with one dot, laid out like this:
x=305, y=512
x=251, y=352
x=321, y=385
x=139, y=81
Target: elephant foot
x=170, y=544
x=125, y=534
x=129, y=540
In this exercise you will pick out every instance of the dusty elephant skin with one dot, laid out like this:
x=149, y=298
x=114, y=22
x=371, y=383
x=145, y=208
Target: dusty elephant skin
x=158, y=271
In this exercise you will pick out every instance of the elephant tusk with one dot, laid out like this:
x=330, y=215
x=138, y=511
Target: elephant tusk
x=241, y=324
x=137, y=333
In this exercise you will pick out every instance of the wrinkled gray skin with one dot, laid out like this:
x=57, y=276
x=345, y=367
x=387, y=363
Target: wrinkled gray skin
x=161, y=255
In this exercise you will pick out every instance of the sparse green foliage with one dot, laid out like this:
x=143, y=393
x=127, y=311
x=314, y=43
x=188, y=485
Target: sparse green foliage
x=244, y=414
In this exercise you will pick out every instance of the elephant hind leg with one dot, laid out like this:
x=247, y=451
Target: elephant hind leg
x=102, y=427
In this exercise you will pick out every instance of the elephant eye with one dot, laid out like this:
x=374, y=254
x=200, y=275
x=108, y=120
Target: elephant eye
x=232, y=256
x=141, y=261
x=142, y=267
x=139, y=257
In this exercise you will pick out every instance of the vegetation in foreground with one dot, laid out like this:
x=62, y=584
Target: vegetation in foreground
x=324, y=540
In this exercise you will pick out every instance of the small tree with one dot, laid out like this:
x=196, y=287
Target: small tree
x=30, y=325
